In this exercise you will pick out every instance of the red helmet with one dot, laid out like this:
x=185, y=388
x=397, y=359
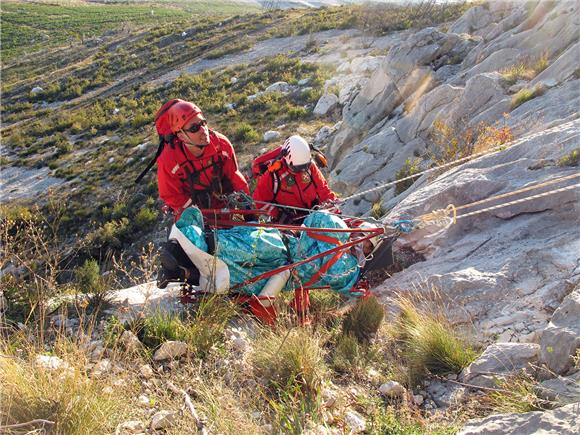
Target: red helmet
x=173, y=115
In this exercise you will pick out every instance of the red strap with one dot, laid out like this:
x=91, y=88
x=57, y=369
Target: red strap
x=324, y=238
x=324, y=268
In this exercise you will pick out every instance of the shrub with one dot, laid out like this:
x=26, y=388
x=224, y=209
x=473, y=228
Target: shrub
x=145, y=218
x=572, y=159
x=245, y=133
x=526, y=94
x=453, y=142
x=88, y=277
x=411, y=167
x=347, y=354
x=377, y=210
x=429, y=343
x=201, y=332
x=525, y=70
x=297, y=112
x=515, y=394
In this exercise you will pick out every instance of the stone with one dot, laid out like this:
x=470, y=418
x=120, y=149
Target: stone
x=35, y=90
x=230, y=106
x=392, y=389
x=561, y=338
x=355, y=422
x=163, y=420
x=102, y=367
x=329, y=397
x=472, y=21
x=170, y=350
x=482, y=262
x=325, y=104
x=560, y=390
x=496, y=61
x=304, y=82
x=418, y=399
x=130, y=341
x=500, y=360
x=240, y=344
x=279, y=87
x=271, y=135
x=130, y=427
x=51, y=362
x=233, y=80
x=561, y=421
x=144, y=400
x=445, y=394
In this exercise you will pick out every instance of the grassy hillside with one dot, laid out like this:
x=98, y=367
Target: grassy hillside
x=91, y=124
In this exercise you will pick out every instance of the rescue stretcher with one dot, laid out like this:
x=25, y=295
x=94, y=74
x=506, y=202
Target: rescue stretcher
x=214, y=277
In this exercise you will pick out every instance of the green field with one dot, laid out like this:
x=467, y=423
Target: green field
x=28, y=27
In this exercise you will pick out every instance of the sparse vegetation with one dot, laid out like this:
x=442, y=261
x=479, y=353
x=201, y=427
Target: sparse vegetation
x=411, y=167
x=525, y=70
x=428, y=342
x=453, y=142
x=572, y=159
x=526, y=94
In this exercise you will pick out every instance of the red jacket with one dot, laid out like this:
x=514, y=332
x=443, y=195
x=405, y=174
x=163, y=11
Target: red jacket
x=184, y=179
x=305, y=189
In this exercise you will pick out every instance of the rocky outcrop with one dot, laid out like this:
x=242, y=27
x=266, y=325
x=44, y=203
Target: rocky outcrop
x=562, y=421
x=561, y=339
x=560, y=390
x=508, y=269
x=499, y=361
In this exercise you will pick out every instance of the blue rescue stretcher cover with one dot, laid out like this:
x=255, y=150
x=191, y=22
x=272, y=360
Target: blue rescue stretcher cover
x=249, y=252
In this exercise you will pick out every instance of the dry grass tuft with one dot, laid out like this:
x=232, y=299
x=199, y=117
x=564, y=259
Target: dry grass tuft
x=67, y=396
x=428, y=342
x=293, y=359
x=364, y=320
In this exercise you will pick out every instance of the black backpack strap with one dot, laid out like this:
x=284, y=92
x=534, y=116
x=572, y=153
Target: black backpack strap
x=275, y=184
x=152, y=162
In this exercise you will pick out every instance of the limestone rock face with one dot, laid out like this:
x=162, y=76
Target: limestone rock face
x=500, y=360
x=325, y=104
x=561, y=421
x=561, y=390
x=509, y=268
x=561, y=339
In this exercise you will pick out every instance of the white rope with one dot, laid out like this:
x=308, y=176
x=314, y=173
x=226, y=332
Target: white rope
x=426, y=171
x=519, y=201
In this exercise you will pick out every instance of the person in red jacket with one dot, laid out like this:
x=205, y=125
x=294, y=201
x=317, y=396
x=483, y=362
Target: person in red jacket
x=197, y=165
x=295, y=181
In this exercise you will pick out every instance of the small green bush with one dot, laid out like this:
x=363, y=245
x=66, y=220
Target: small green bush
x=245, y=133
x=572, y=159
x=88, y=277
x=411, y=167
x=429, y=343
x=526, y=94
x=145, y=218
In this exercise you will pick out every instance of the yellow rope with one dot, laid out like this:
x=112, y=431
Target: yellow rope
x=443, y=216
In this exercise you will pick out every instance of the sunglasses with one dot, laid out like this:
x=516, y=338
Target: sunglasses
x=196, y=127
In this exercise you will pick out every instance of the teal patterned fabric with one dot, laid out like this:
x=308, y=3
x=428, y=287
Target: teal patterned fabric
x=343, y=274
x=249, y=252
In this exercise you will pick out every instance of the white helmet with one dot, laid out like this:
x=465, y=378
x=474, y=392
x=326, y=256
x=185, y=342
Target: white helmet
x=374, y=240
x=296, y=153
